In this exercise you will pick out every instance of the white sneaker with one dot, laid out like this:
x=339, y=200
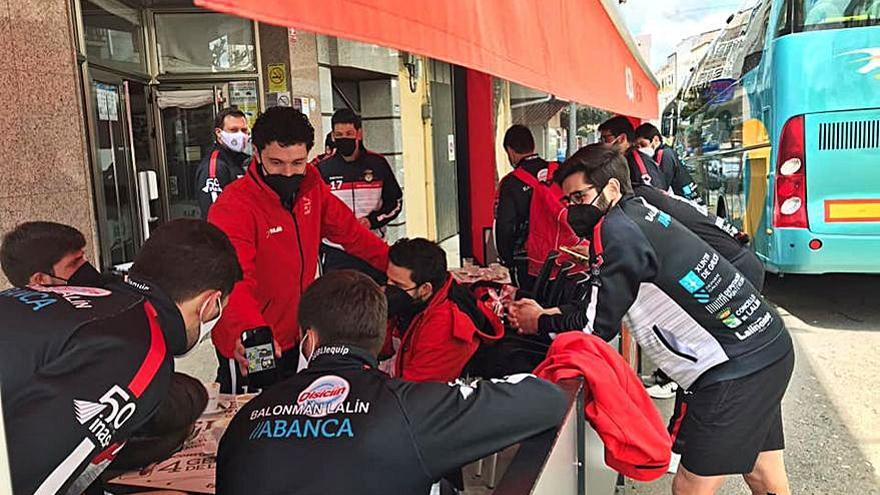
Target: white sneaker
x=666, y=391
x=673, y=463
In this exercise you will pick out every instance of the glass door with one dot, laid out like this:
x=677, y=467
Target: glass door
x=114, y=170
x=186, y=116
x=443, y=128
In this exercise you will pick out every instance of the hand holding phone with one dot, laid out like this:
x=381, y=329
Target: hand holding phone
x=256, y=355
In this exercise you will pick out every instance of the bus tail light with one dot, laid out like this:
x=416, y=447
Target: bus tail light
x=790, y=194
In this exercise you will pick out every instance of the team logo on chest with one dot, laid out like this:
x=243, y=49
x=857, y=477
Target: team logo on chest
x=368, y=175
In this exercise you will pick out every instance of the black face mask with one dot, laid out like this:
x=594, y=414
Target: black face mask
x=583, y=218
x=401, y=304
x=346, y=146
x=86, y=276
x=285, y=186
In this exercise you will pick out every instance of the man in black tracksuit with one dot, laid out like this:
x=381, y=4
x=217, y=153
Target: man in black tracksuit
x=342, y=426
x=650, y=142
x=619, y=131
x=226, y=161
x=513, y=204
x=699, y=319
x=365, y=182
x=82, y=368
x=723, y=237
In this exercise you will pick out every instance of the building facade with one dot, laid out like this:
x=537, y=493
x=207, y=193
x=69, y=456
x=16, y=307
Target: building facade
x=114, y=101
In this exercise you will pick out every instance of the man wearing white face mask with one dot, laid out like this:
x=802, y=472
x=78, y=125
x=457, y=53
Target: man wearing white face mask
x=226, y=162
x=82, y=368
x=384, y=435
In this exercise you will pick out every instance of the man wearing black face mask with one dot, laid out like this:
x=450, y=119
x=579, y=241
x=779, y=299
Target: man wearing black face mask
x=695, y=315
x=365, y=182
x=47, y=253
x=619, y=132
x=439, y=324
x=276, y=217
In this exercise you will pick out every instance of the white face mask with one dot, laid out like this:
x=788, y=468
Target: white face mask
x=303, y=360
x=236, y=141
x=205, y=327
x=647, y=150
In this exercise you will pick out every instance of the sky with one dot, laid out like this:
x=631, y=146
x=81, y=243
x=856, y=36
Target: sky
x=670, y=21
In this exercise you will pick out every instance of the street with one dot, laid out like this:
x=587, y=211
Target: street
x=831, y=408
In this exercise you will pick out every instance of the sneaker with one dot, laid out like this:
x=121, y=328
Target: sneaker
x=673, y=463
x=666, y=391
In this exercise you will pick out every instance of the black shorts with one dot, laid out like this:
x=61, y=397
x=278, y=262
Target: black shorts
x=720, y=429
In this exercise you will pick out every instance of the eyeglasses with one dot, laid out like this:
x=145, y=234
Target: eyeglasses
x=576, y=198
x=391, y=284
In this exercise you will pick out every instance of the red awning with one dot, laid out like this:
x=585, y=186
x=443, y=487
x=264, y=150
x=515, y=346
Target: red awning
x=569, y=48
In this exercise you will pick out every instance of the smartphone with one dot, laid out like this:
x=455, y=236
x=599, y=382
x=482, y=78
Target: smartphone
x=574, y=254
x=259, y=349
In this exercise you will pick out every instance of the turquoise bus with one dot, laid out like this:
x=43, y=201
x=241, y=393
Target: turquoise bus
x=780, y=125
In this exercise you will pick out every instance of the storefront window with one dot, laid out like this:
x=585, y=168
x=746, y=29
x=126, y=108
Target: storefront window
x=199, y=43
x=113, y=35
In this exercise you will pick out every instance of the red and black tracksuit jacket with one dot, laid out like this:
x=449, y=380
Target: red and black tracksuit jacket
x=277, y=248
x=366, y=185
x=82, y=368
x=216, y=171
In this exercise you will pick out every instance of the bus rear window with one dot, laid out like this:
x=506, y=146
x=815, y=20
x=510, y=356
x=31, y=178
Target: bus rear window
x=811, y=15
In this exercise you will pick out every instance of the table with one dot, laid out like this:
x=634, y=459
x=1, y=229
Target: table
x=191, y=469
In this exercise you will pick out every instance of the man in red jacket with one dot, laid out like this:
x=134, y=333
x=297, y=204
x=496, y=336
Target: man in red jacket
x=439, y=323
x=276, y=216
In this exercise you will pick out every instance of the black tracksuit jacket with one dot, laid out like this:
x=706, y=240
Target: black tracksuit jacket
x=512, y=212
x=694, y=314
x=342, y=426
x=216, y=171
x=82, y=368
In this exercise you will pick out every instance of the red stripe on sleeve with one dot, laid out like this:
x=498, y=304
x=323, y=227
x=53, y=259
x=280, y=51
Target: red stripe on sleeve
x=155, y=356
x=212, y=170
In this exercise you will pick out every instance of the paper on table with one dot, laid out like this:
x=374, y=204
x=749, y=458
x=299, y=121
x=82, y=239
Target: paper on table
x=192, y=469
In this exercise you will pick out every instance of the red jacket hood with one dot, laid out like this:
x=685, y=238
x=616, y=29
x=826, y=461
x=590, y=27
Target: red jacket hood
x=486, y=325
x=637, y=444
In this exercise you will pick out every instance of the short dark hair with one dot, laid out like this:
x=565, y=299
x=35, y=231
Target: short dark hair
x=345, y=307
x=346, y=116
x=619, y=125
x=519, y=138
x=186, y=257
x=426, y=260
x=648, y=131
x=220, y=120
x=284, y=125
x=600, y=163
x=35, y=247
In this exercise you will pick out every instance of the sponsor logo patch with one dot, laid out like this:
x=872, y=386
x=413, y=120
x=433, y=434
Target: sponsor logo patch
x=108, y=415
x=729, y=319
x=695, y=286
x=326, y=394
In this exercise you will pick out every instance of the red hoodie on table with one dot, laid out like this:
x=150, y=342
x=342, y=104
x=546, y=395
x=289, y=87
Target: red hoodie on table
x=617, y=406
